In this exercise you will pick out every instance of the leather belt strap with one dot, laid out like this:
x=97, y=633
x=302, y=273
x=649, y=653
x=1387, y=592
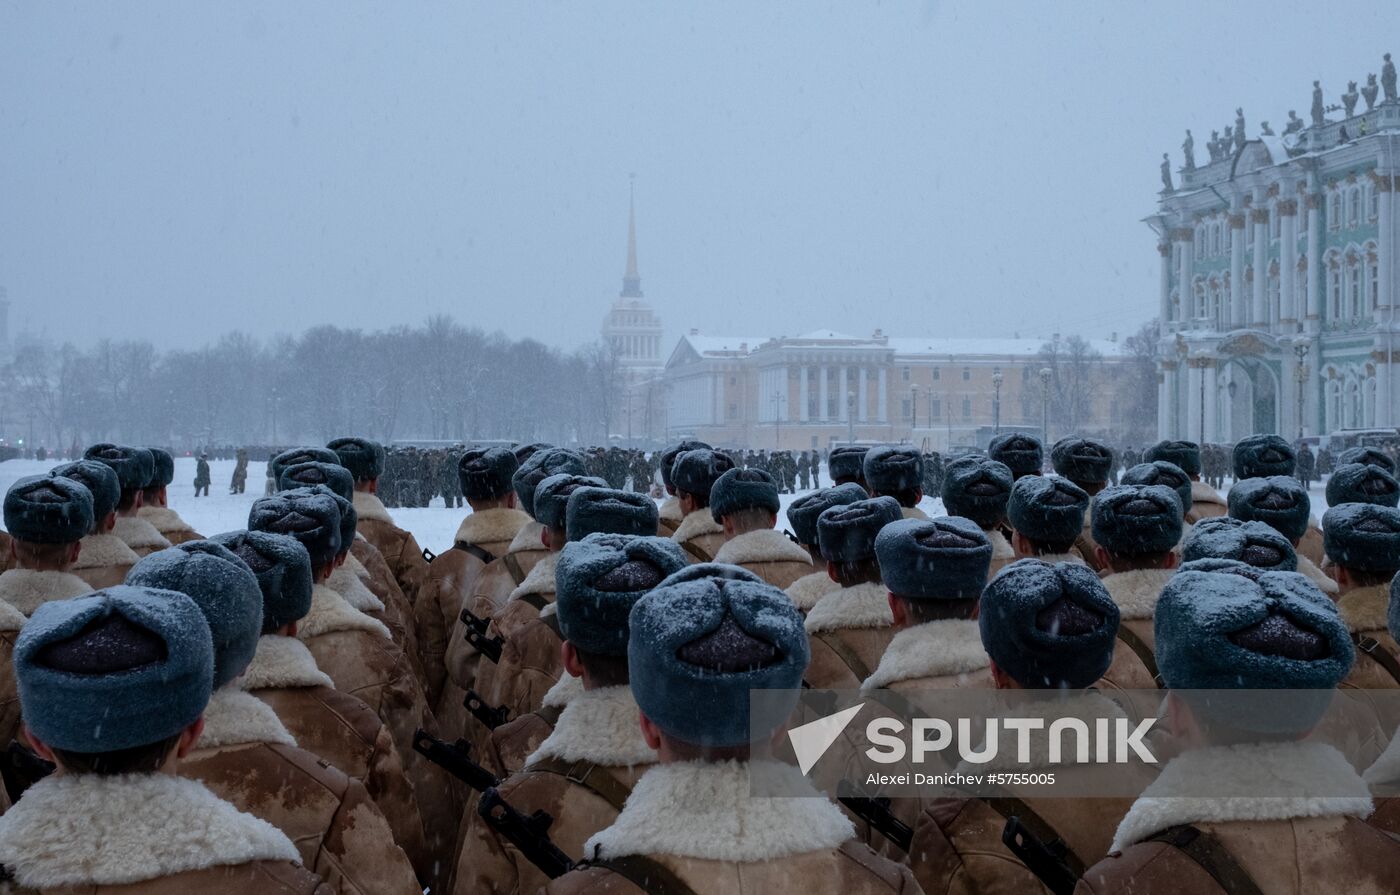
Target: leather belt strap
x=536, y=600
x=588, y=775
x=1142, y=651
x=646, y=874
x=1010, y=806
x=486, y=556
x=696, y=551
x=1379, y=654
x=1211, y=856
x=512, y=565
x=844, y=652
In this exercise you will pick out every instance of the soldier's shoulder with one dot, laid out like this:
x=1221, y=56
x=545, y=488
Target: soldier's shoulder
x=1145, y=868
x=592, y=880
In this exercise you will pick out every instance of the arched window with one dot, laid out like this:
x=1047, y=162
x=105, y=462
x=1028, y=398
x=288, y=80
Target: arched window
x=1370, y=402
x=1353, y=206
x=1334, y=212
x=1334, y=405
x=1353, y=285
x=1372, y=278
x=1334, y=287
x=1373, y=203
x=1353, y=406
x=1271, y=288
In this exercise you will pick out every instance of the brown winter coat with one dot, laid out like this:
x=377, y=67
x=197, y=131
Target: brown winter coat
x=849, y=630
x=340, y=729
x=1300, y=844
x=144, y=835
x=509, y=745
x=27, y=589
x=597, y=740
x=354, y=582
x=699, y=535
x=1002, y=554
x=770, y=554
x=806, y=591
x=104, y=560
x=1311, y=543
x=1364, y=612
x=248, y=758
x=401, y=551
x=1384, y=779
x=1206, y=503
x=11, y=620
x=669, y=518
x=530, y=658
x=169, y=524
x=939, y=655
x=772, y=845
x=1135, y=592
x=140, y=535
x=368, y=563
x=1085, y=543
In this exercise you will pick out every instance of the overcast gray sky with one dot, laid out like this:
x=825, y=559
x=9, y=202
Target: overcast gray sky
x=182, y=169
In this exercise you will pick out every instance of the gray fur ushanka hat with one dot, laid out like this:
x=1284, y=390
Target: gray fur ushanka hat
x=1280, y=500
x=309, y=516
x=696, y=472
x=1184, y=455
x=847, y=533
x=552, y=497
x=743, y=489
x=592, y=510
x=1367, y=456
x=1021, y=453
x=486, y=473
x=1362, y=483
x=1047, y=510
x=100, y=481
x=1261, y=456
x=599, y=579
x=1134, y=520
x=1160, y=472
x=163, y=468
x=1082, y=460
x=295, y=456
x=539, y=466
x=977, y=488
x=135, y=467
x=283, y=570
x=802, y=513
x=362, y=457
x=48, y=509
x=1362, y=536
x=945, y=558
x=332, y=475
x=889, y=468
x=1253, y=543
x=847, y=463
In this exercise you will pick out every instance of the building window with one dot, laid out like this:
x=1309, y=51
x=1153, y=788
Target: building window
x=935, y=408
x=936, y=374
x=1334, y=290
x=1373, y=204
x=906, y=407
x=967, y=373
x=733, y=380
x=1249, y=235
x=1374, y=281
x=1215, y=238
x=904, y=374
x=733, y=411
x=1334, y=212
x=1353, y=206
x=1354, y=286
x=1275, y=225
x=967, y=408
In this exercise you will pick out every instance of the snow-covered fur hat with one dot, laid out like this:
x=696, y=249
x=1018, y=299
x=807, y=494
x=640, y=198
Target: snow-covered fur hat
x=304, y=475
x=364, y=458
x=696, y=472
x=1254, y=543
x=702, y=570
x=295, y=456
x=309, y=516
x=1222, y=632
x=1161, y=472
x=48, y=509
x=697, y=650
x=893, y=468
x=1261, y=456
x=283, y=569
x=1369, y=457
x=594, y=510
x=1362, y=483
x=1049, y=626
x=1362, y=536
x=552, y=497
x=485, y=473
x=1022, y=454
x=1226, y=566
x=847, y=463
x=1185, y=455
x=668, y=458
x=1047, y=510
x=977, y=488
x=743, y=489
x=847, y=533
x=134, y=466
x=115, y=669
x=946, y=558
x=539, y=466
x=1279, y=500
x=1132, y=520
x=223, y=588
x=99, y=479
x=163, y=468
x=1082, y=460
x=600, y=578
x=802, y=513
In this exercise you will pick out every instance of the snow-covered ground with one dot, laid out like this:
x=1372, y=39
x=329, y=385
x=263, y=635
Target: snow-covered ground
x=433, y=526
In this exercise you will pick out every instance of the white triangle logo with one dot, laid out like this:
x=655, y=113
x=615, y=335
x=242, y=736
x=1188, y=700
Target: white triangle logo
x=811, y=740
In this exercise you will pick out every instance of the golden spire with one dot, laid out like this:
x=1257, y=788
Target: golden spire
x=631, y=280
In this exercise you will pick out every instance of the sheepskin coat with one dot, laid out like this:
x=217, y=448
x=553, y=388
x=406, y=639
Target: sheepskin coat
x=28, y=589
x=849, y=630
x=530, y=661
x=11, y=620
x=1136, y=594
x=669, y=517
x=699, y=535
x=1364, y=612
x=400, y=550
x=1206, y=503
x=806, y=591
x=1002, y=553
x=140, y=535
x=938, y=655
x=369, y=566
x=104, y=560
x=1311, y=543
x=769, y=554
x=168, y=522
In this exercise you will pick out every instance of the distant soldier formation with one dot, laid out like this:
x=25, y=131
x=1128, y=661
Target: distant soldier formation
x=560, y=701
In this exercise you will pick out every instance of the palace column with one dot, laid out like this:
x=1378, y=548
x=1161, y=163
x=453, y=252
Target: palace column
x=882, y=413
x=843, y=400
x=822, y=383
x=1315, y=266
x=1239, y=299
x=1166, y=370
x=1185, y=293
x=802, y=414
x=1288, y=315
x=1164, y=285
x=1259, y=218
x=862, y=394
x=1193, y=400
x=1208, y=371
x=1385, y=262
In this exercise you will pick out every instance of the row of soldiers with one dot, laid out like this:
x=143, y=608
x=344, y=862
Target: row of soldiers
x=258, y=709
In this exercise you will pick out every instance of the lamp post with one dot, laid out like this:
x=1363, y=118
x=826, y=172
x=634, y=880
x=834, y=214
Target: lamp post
x=1202, y=414
x=914, y=410
x=996, y=401
x=851, y=417
x=1300, y=373
x=1232, y=388
x=1045, y=376
x=777, y=403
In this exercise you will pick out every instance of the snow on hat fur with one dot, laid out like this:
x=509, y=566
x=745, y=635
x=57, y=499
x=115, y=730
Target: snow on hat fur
x=486, y=473
x=1362, y=483
x=134, y=466
x=150, y=701
x=1022, y=454
x=668, y=458
x=552, y=497
x=698, y=648
x=162, y=469
x=1048, y=657
x=1226, y=566
x=977, y=488
x=889, y=468
x=100, y=480
x=946, y=558
x=48, y=509
x=847, y=462
x=1082, y=460
x=309, y=516
x=1047, y=510
x=1254, y=543
x=847, y=533
x=702, y=570
x=696, y=472
x=1279, y=500
x=592, y=510
x=1362, y=536
x=1261, y=456
x=802, y=513
x=1132, y=520
x=1214, y=631
x=593, y=607
x=539, y=466
x=1185, y=455
x=283, y=570
x=223, y=588
x=332, y=475
x=743, y=489
x=364, y=458
x=294, y=456
x=1161, y=472
x=1367, y=456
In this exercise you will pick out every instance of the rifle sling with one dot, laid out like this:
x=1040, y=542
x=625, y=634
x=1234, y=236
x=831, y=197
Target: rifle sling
x=551, y=622
x=1010, y=806
x=1142, y=651
x=1210, y=855
x=646, y=874
x=844, y=652
x=536, y=601
x=697, y=551
x=512, y=565
x=486, y=556
x=1379, y=654
x=588, y=775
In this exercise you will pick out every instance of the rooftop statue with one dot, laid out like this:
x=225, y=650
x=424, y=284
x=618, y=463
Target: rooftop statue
x=1239, y=128
x=1189, y=149
x=1318, y=115
x=1265, y=130
x=1349, y=99
x=1388, y=79
x=1370, y=90
x=1295, y=123
x=1166, y=174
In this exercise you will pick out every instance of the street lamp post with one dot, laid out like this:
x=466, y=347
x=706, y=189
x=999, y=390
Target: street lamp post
x=996, y=402
x=914, y=410
x=1300, y=349
x=1045, y=376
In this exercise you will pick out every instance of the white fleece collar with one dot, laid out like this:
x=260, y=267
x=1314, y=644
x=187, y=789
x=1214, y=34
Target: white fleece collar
x=1270, y=767
x=863, y=606
x=164, y=519
x=330, y=613
x=932, y=649
x=345, y=582
x=1001, y=547
x=234, y=718
x=540, y=579
x=671, y=509
x=11, y=619
x=28, y=589
x=696, y=524
x=598, y=726
x=565, y=690
x=1083, y=704
x=527, y=539
x=101, y=551
x=1363, y=609
x=368, y=506
x=139, y=534
x=109, y=831
x=704, y=810
x=807, y=590
x=282, y=662
x=1317, y=576
x=913, y=513
x=491, y=526
x=1136, y=591
x=1204, y=493
x=761, y=546
x=1056, y=558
